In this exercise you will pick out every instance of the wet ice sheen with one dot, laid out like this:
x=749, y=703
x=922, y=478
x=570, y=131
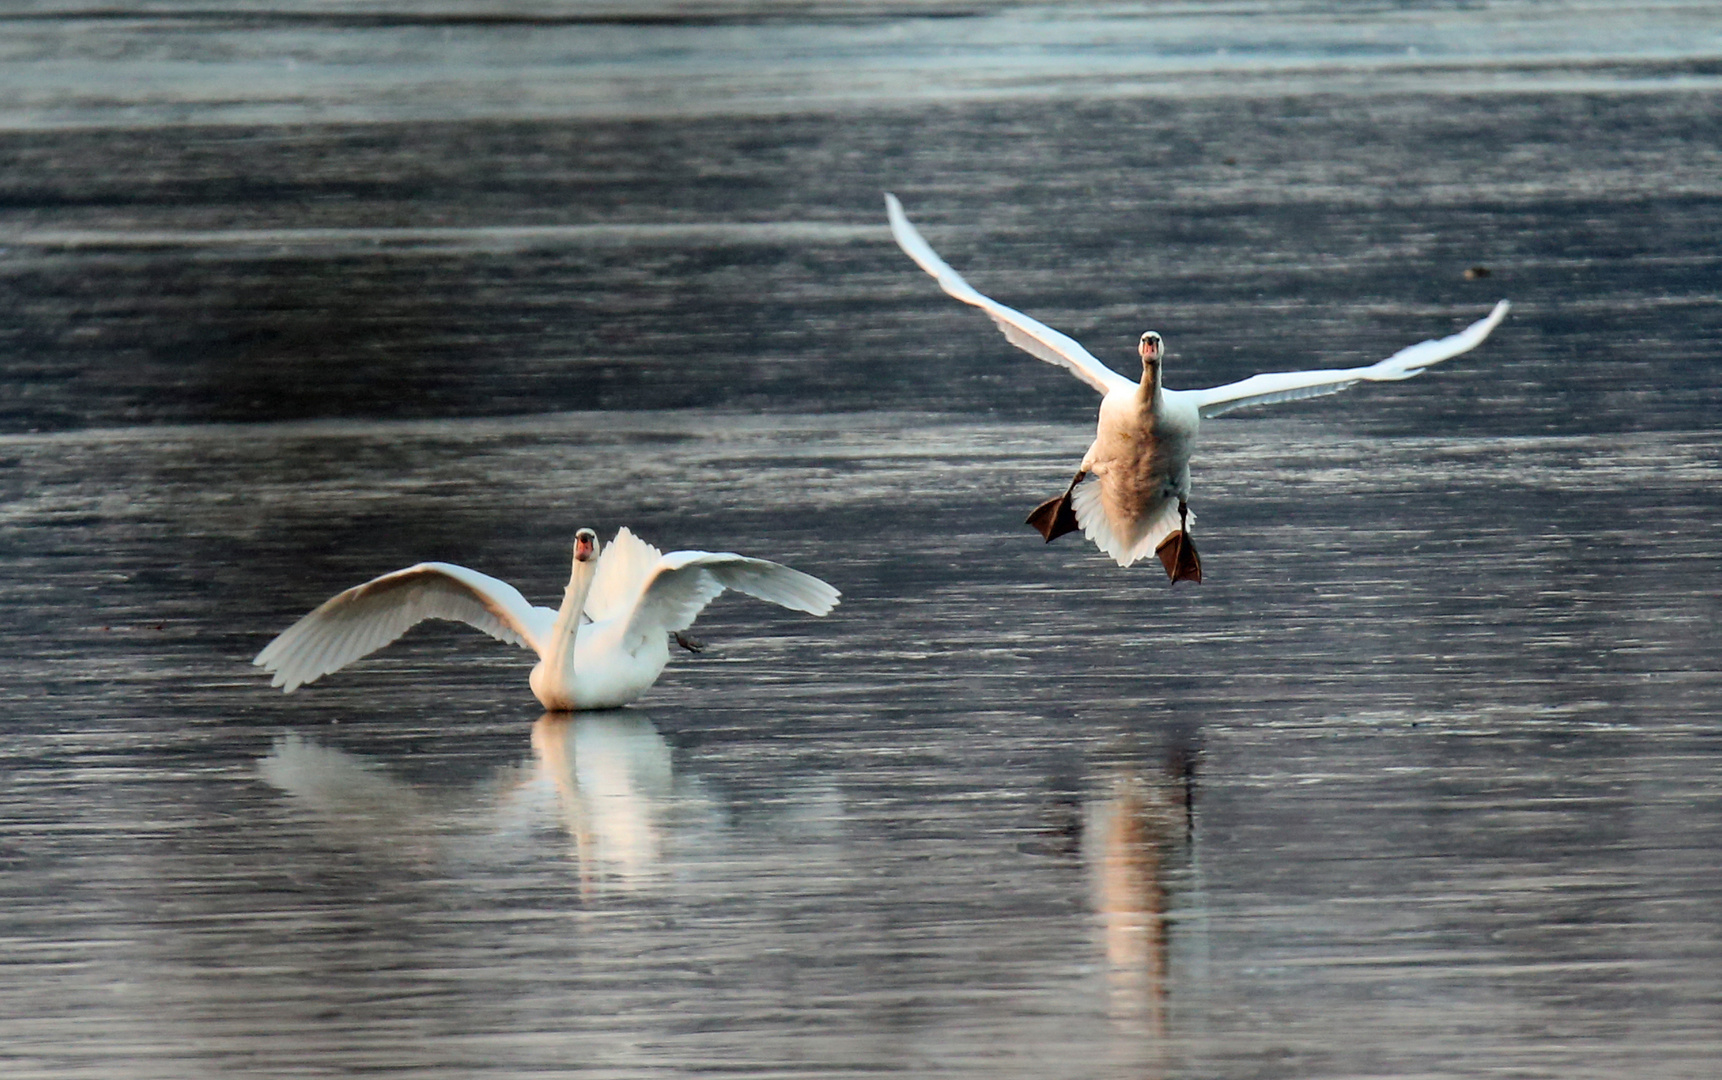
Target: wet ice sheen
x=1009, y=810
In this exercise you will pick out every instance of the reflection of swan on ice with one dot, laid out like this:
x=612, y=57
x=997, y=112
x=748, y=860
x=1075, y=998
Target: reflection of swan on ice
x=1134, y=827
x=616, y=789
x=357, y=800
x=608, y=779
x=605, y=646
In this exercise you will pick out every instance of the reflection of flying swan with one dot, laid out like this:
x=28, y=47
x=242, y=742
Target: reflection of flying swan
x=606, y=645
x=1137, y=471
x=1133, y=830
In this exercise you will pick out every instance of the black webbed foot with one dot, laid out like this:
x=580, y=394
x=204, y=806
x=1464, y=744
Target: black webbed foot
x=1054, y=518
x=1178, y=552
x=1178, y=555
x=1057, y=516
x=687, y=642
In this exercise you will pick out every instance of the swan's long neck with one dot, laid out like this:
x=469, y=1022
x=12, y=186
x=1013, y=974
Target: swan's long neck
x=567, y=627
x=1149, y=389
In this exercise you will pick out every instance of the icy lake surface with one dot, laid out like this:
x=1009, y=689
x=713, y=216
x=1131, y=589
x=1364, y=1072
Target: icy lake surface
x=1424, y=780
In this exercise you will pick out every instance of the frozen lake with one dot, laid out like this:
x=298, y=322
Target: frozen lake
x=1421, y=781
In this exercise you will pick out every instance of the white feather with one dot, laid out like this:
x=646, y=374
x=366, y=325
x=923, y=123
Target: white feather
x=1030, y=335
x=366, y=617
x=1273, y=387
x=686, y=581
x=624, y=566
x=1110, y=537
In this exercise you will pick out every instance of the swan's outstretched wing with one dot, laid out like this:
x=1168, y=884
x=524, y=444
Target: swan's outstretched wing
x=623, y=567
x=1291, y=385
x=366, y=617
x=1029, y=335
x=686, y=581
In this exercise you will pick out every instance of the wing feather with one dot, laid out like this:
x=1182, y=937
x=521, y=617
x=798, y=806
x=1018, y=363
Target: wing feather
x=1030, y=335
x=366, y=617
x=623, y=567
x=1291, y=385
x=684, y=582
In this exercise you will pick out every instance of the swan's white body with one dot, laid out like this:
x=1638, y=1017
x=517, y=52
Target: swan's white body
x=604, y=647
x=1135, y=478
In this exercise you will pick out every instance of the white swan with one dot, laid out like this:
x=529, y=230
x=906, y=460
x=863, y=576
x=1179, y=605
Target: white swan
x=603, y=648
x=1137, y=471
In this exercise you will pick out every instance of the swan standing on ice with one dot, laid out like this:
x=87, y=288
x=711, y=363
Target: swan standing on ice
x=1130, y=494
x=603, y=648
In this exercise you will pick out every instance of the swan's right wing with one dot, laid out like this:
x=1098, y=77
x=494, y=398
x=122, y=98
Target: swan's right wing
x=1030, y=335
x=366, y=617
x=686, y=581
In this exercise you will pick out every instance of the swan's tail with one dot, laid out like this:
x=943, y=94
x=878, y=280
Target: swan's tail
x=1125, y=541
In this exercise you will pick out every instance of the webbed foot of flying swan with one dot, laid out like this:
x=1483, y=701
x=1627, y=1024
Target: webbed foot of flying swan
x=1056, y=516
x=1178, y=552
x=687, y=642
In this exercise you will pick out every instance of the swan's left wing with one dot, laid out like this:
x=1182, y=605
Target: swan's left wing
x=686, y=581
x=623, y=567
x=1030, y=335
x=1292, y=385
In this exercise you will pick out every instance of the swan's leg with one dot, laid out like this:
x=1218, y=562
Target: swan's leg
x=1056, y=516
x=687, y=642
x=1178, y=552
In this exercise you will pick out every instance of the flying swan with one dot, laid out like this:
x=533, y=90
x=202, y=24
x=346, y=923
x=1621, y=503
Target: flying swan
x=1130, y=494
x=603, y=648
